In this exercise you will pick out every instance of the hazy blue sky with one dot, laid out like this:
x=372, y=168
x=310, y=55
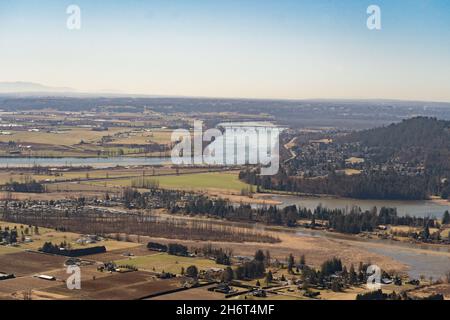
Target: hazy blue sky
x=248, y=48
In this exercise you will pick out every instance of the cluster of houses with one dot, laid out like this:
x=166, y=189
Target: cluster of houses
x=318, y=158
x=89, y=239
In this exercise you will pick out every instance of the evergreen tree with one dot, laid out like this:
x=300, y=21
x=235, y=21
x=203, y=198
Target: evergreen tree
x=192, y=272
x=228, y=275
x=446, y=218
x=353, y=277
x=290, y=263
x=259, y=256
x=303, y=260
x=269, y=278
x=268, y=259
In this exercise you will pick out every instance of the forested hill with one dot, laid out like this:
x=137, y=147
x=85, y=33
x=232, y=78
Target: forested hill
x=409, y=160
x=421, y=132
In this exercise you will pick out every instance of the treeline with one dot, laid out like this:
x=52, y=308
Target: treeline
x=388, y=185
x=65, y=249
x=380, y=295
x=221, y=256
x=253, y=269
x=8, y=236
x=353, y=220
x=26, y=187
x=87, y=221
x=174, y=249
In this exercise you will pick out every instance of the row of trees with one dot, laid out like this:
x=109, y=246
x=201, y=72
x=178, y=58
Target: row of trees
x=370, y=185
x=26, y=187
x=353, y=220
x=90, y=221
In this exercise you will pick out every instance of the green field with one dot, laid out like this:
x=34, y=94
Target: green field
x=168, y=263
x=214, y=180
x=199, y=181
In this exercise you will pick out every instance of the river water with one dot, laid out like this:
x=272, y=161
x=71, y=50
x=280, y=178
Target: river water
x=422, y=259
x=423, y=208
x=81, y=162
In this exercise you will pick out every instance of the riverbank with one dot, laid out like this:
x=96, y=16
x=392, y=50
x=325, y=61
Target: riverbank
x=418, y=208
x=319, y=245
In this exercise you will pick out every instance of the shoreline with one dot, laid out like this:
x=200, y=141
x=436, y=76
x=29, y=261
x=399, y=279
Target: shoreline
x=433, y=199
x=403, y=257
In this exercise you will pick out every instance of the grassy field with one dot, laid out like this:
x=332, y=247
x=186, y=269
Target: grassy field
x=154, y=136
x=56, y=237
x=6, y=250
x=168, y=263
x=17, y=175
x=410, y=229
x=219, y=180
x=66, y=137
x=198, y=181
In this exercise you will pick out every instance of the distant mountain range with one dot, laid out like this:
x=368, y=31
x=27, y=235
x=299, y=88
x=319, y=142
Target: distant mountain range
x=25, y=89
x=31, y=87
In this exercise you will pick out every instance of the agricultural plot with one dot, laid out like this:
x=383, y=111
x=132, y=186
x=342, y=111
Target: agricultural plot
x=8, y=249
x=119, y=286
x=215, y=180
x=29, y=263
x=145, y=137
x=14, y=288
x=57, y=237
x=168, y=263
x=227, y=181
x=119, y=254
x=62, y=136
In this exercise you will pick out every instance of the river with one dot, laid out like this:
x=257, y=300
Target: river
x=421, y=208
x=421, y=259
x=80, y=162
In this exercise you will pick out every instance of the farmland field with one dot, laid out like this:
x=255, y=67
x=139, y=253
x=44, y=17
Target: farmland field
x=29, y=263
x=6, y=250
x=56, y=237
x=228, y=181
x=168, y=263
x=66, y=137
x=154, y=136
x=134, y=285
x=199, y=181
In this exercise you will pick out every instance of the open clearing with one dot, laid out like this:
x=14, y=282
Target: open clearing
x=56, y=237
x=168, y=263
x=65, y=136
x=197, y=181
x=153, y=136
x=118, y=286
x=29, y=263
x=8, y=249
x=227, y=180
